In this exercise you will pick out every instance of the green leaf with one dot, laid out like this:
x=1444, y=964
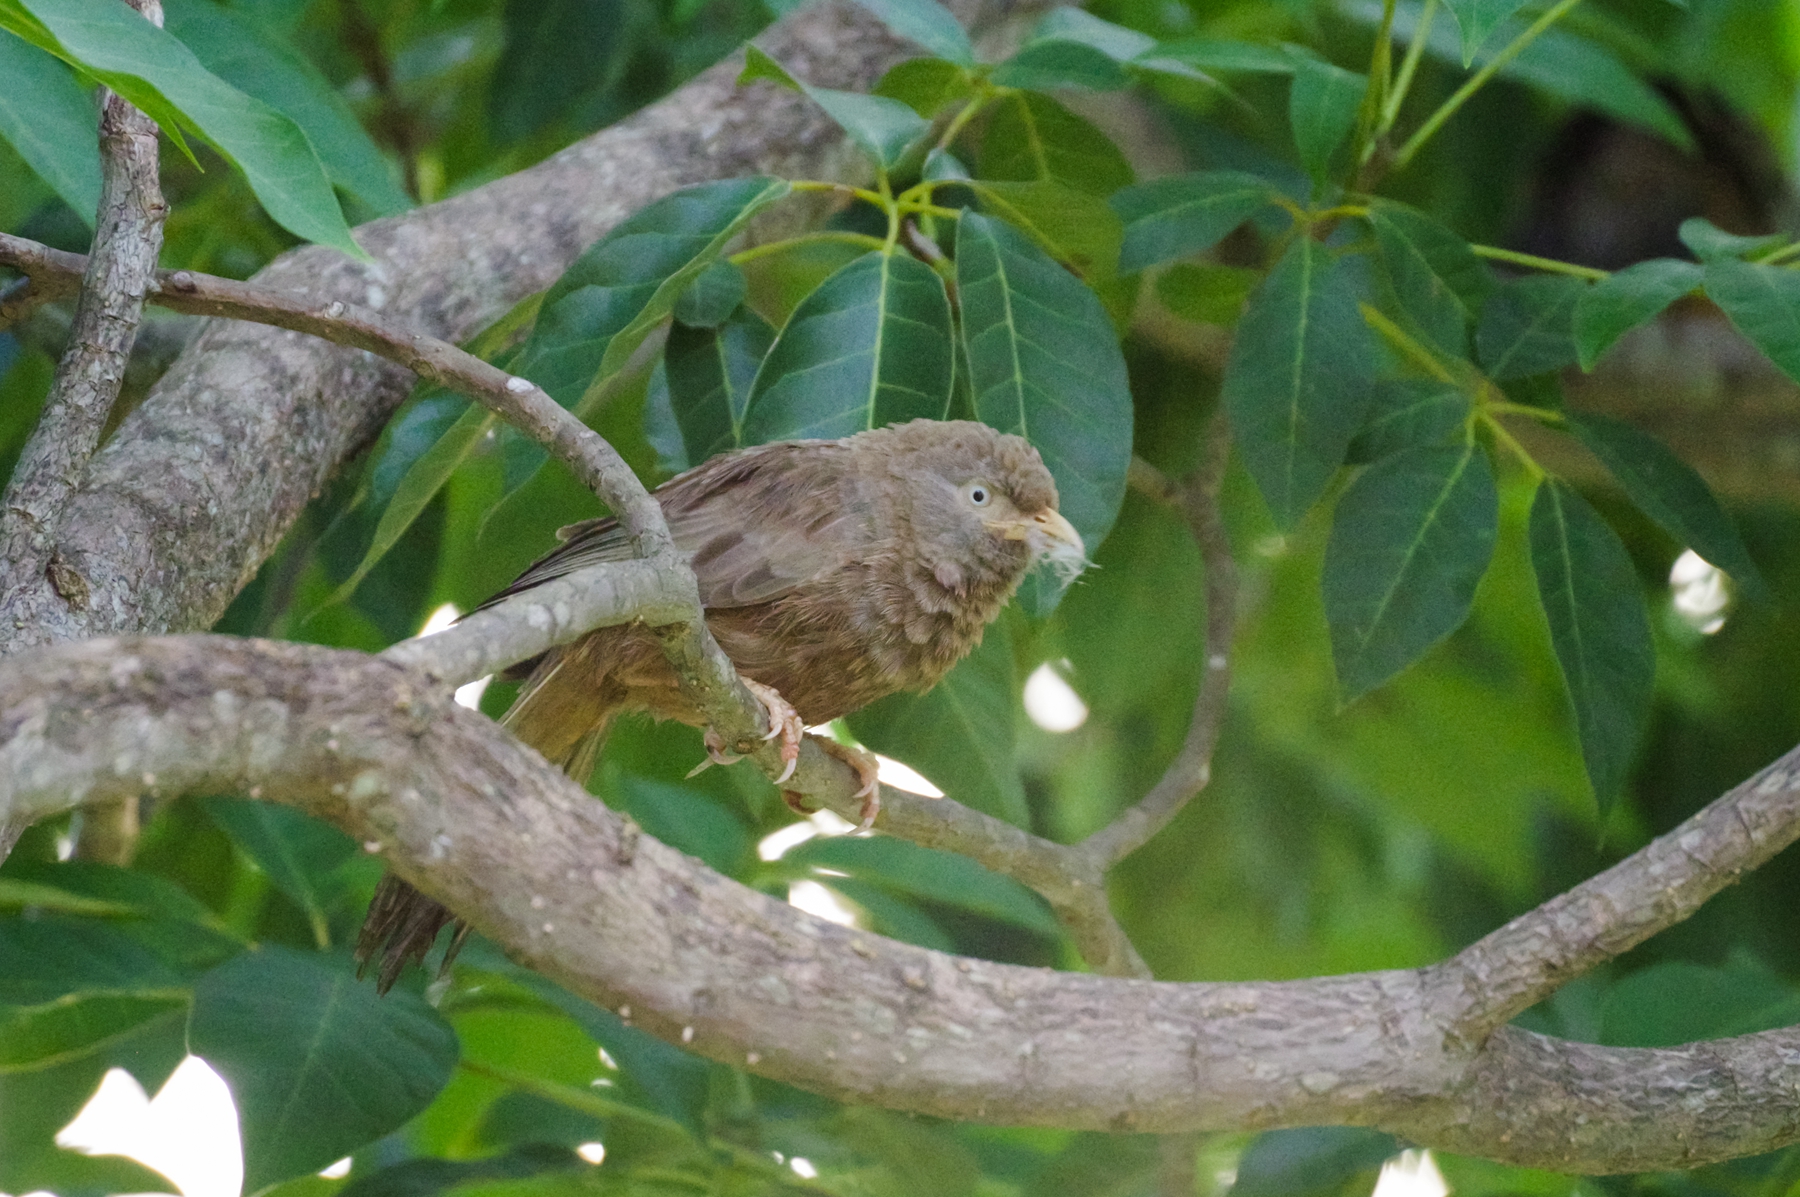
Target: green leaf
x=297, y=852
x=1410, y=540
x=1322, y=108
x=1478, y=19
x=1044, y=364
x=712, y=296
x=1313, y=1161
x=883, y=129
x=1599, y=630
x=317, y=1063
x=960, y=734
x=153, y=70
x=1032, y=138
x=71, y=987
x=556, y=59
x=49, y=119
x=925, y=23
x=1528, y=326
x=1226, y=57
x=1072, y=226
x=1296, y=384
x=869, y=347
x=926, y=85
x=1709, y=241
x=1627, y=298
x=1669, y=491
x=239, y=52
x=1171, y=218
x=627, y=282
x=417, y=486
x=1764, y=303
x=710, y=372
x=1206, y=292
x=1061, y=63
x=1437, y=280
x=943, y=877
x=1077, y=25
x=1408, y=415
x=16, y=894
x=1676, y=1001
x=686, y=820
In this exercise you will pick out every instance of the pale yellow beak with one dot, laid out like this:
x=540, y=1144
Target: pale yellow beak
x=1048, y=524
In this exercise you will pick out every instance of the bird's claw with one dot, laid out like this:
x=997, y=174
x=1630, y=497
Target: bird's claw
x=868, y=773
x=784, y=722
x=716, y=754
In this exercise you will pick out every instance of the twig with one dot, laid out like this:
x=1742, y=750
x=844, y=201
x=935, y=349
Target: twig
x=1188, y=773
x=127, y=239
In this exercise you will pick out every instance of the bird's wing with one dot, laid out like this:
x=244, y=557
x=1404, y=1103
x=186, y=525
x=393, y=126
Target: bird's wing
x=756, y=524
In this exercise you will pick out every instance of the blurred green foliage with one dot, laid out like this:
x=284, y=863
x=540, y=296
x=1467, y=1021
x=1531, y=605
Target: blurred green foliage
x=1380, y=833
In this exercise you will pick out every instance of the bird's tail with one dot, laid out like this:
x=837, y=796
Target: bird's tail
x=402, y=923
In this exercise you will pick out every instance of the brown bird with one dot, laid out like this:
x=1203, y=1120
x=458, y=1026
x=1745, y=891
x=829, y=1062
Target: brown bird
x=833, y=573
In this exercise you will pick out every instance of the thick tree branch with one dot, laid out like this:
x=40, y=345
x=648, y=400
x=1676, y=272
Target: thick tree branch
x=480, y=822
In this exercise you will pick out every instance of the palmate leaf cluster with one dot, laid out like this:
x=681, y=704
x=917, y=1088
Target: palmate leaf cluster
x=1449, y=666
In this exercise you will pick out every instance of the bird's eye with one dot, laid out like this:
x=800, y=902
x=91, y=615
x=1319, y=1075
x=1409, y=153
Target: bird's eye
x=979, y=493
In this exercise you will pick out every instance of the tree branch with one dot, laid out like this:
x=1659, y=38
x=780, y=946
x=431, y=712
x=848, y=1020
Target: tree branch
x=127, y=239
x=1198, y=500
x=481, y=822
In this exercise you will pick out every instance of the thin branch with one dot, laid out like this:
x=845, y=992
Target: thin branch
x=561, y=883
x=1513, y=968
x=127, y=239
x=1188, y=773
x=659, y=589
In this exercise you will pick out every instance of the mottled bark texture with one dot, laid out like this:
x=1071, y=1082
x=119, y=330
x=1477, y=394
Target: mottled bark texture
x=197, y=487
x=128, y=237
x=476, y=818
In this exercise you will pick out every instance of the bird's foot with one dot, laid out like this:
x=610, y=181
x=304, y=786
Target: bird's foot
x=784, y=722
x=717, y=753
x=868, y=771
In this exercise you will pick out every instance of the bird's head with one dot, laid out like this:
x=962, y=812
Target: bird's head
x=985, y=498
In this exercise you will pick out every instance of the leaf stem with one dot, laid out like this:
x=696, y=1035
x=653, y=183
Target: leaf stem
x=770, y=248
x=1779, y=256
x=861, y=193
x=1551, y=265
x=1509, y=442
x=1408, y=67
x=1475, y=82
x=968, y=113
x=1381, y=78
x=1409, y=348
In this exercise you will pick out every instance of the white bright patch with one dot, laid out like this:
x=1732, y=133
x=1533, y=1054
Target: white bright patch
x=439, y=619
x=470, y=695
x=1698, y=591
x=336, y=1171
x=189, y=1133
x=447, y=614
x=1411, y=1174
x=815, y=899
x=593, y=1153
x=904, y=777
x=776, y=844
x=803, y=1168
x=1051, y=702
